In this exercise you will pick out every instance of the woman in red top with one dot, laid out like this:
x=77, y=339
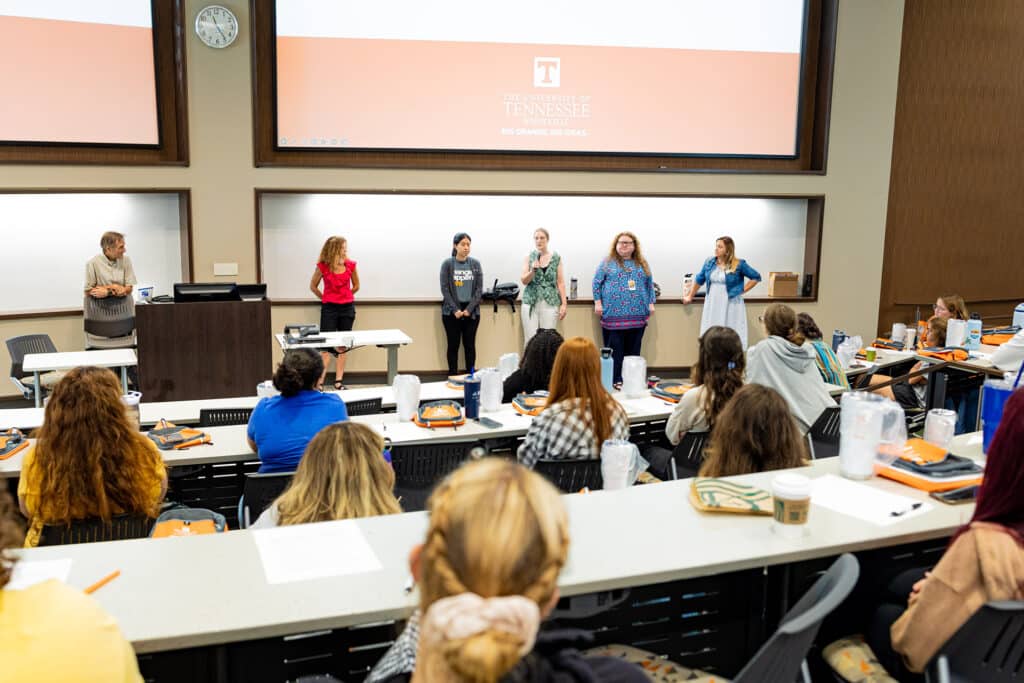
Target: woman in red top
x=337, y=312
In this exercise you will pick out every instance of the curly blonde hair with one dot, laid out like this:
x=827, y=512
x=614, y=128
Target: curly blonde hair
x=91, y=459
x=496, y=529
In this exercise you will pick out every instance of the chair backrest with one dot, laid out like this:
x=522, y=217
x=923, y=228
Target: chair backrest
x=688, y=454
x=988, y=647
x=120, y=527
x=222, y=417
x=418, y=468
x=824, y=433
x=569, y=476
x=259, y=491
x=780, y=659
x=366, y=406
x=109, y=317
x=19, y=347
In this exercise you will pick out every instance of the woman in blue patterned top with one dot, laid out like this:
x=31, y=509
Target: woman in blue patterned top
x=727, y=278
x=624, y=298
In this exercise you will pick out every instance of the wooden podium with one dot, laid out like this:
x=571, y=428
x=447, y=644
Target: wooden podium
x=192, y=351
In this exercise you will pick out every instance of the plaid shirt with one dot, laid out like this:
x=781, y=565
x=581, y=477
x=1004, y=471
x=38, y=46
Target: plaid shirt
x=560, y=433
x=401, y=656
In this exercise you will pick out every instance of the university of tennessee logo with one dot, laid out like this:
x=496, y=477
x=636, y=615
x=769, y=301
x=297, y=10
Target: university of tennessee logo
x=547, y=72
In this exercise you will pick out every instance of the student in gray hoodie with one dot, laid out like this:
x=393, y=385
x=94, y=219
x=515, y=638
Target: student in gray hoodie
x=784, y=363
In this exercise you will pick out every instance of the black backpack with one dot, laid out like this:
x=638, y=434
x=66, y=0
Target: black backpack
x=505, y=291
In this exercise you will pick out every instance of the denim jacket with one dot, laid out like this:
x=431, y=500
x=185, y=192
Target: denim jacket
x=733, y=280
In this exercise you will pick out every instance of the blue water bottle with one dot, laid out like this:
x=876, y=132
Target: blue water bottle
x=973, y=342
x=838, y=337
x=471, y=394
x=607, y=365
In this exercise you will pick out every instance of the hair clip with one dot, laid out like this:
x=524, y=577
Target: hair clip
x=732, y=366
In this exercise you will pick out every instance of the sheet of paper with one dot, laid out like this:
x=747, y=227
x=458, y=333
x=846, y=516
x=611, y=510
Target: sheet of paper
x=864, y=502
x=974, y=439
x=30, y=573
x=314, y=551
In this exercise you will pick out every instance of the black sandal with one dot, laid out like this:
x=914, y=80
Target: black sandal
x=338, y=386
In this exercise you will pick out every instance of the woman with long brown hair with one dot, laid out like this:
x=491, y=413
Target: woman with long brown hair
x=580, y=414
x=624, y=298
x=717, y=375
x=754, y=433
x=342, y=475
x=52, y=632
x=488, y=574
x=337, y=308
x=89, y=459
x=727, y=279
x=785, y=363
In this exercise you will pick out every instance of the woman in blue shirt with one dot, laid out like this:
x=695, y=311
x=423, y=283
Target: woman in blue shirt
x=280, y=427
x=624, y=298
x=727, y=278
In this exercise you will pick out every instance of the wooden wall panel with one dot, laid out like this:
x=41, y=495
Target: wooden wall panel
x=956, y=195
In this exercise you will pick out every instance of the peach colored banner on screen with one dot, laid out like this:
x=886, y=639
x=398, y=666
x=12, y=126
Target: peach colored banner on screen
x=67, y=81
x=452, y=95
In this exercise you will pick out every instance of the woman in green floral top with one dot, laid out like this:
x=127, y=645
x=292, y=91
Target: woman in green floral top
x=544, y=295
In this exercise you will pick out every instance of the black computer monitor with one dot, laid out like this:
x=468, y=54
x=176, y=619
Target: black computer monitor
x=257, y=292
x=190, y=292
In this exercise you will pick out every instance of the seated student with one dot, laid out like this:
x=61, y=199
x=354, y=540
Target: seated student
x=53, y=632
x=717, y=375
x=89, y=459
x=785, y=363
x=580, y=414
x=951, y=306
x=281, y=426
x=342, y=475
x=1009, y=355
x=828, y=365
x=983, y=562
x=534, y=372
x=911, y=393
x=755, y=432
x=488, y=574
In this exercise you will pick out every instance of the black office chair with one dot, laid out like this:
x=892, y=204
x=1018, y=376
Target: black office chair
x=112, y=316
x=688, y=455
x=18, y=348
x=366, y=406
x=418, y=469
x=989, y=647
x=824, y=434
x=94, y=530
x=259, y=491
x=223, y=417
x=569, y=476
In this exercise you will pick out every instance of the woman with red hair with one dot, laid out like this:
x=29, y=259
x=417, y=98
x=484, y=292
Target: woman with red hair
x=984, y=560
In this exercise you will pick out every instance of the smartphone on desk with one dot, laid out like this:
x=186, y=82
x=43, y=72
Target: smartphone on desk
x=489, y=423
x=964, y=494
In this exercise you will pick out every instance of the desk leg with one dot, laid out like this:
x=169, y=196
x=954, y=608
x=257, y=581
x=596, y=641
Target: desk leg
x=38, y=389
x=124, y=379
x=392, y=364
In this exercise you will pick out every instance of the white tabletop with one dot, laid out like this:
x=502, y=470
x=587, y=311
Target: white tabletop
x=614, y=545
x=883, y=359
x=352, y=339
x=107, y=358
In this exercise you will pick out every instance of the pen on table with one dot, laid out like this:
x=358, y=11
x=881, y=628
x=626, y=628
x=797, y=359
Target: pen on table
x=410, y=583
x=103, y=582
x=900, y=513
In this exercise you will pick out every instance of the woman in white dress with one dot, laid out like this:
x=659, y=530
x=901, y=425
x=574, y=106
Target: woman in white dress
x=727, y=279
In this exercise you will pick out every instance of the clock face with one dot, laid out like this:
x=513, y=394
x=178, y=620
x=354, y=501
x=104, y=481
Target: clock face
x=216, y=26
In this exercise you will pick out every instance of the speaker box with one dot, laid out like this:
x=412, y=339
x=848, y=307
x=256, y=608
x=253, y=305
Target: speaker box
x=808, y=287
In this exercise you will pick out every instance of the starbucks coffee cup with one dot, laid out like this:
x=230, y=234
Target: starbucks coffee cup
x=791, y=495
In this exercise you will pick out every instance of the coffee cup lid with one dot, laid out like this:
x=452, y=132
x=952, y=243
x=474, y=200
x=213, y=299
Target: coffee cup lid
x=791, y=486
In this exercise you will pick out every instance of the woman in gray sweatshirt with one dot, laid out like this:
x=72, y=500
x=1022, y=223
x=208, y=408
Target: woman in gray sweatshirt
x=784, y=363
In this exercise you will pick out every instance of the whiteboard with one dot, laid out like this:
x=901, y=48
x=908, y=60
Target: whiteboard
x=51, y=236
x=400, y=240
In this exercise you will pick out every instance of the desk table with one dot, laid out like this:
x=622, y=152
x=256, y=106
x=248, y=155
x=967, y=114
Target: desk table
x=388, y=339
x=167, y=597
x=107, y=358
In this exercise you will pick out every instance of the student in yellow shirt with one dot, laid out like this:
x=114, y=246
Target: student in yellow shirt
x=87, y=438
x=53, y=633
